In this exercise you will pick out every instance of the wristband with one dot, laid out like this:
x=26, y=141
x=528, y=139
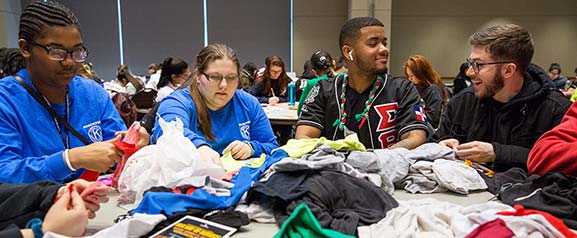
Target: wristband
x=67, y=160
x=36, y=225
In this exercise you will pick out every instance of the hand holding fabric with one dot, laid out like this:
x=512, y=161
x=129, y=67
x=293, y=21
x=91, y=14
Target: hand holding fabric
x=451, y=143
x=476, y=151
x=99, y=156
x=239, y=150
x=209, y=154
x=68, y=215
x=92, y=193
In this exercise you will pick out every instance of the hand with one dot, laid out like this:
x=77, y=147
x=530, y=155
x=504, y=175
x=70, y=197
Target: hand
x=67, y=216
x=239, y=150
x=273, y=100
x=451, y=143
x=476, y=151
x=209, y=154
x=92, y=200
x=99, y=156
x=143, y=137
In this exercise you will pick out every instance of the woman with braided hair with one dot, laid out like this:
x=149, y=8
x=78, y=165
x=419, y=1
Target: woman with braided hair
x=55, y=125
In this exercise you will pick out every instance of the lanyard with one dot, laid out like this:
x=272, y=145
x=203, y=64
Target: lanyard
x=63, y=134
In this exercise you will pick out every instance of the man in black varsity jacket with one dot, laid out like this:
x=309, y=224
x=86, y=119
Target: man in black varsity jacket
x=382, y=110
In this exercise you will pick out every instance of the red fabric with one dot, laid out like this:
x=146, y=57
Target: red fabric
x=554, y=151
x=556, y=222
x=495, y=229
x=90, y=175
x=129, y=146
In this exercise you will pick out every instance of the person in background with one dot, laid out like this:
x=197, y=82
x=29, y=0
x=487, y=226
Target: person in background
x=272, y=86
x=11, y=61
x=87, y=71
x=574, y=95
x=340, y=65
x=61, y=207
x=154, y=77
x=321, y=65
x=461, y=81
x=247, y=76
x=131, y=83
x=559, y=81
x=510, y=105
x=382, y=110
x=217, y=117
x=174, y=73
x=430, y=86
x=41, y=99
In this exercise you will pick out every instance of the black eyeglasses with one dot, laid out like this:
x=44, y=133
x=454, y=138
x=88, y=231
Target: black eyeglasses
x=216, y=78
x=78, y=55
x=477, y=66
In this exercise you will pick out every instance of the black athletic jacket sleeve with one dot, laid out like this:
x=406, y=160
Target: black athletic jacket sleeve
x=21, y=202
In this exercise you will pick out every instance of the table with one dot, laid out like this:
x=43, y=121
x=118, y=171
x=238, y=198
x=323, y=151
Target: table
x=109, y=211
x=280, y=114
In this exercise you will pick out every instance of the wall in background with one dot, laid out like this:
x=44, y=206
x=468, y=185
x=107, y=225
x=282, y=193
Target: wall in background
x=316, y=26
x=9, y=17
x=440, y=30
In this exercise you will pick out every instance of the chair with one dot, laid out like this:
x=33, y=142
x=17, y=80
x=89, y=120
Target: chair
x=144, y=99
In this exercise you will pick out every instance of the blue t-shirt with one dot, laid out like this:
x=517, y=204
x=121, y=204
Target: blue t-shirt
x=30, y=144
x=242, y=118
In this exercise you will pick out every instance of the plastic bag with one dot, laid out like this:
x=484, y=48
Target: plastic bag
x=173, y=158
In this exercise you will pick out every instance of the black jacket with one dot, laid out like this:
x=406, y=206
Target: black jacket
x=21, y=202
x=512, y=128
x=433, y=97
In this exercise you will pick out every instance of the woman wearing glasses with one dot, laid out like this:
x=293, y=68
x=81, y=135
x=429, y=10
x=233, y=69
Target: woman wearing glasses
x=54, y=125
x=271, y=87
x=174, y=73
x=217, y=117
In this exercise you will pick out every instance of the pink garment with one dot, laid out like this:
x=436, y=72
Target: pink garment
x=129, y=146
x=495, y=229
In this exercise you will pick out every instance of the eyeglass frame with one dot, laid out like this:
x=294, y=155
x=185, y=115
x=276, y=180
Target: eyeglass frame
x=221, y=78
x=477, y=66
x=48, y=49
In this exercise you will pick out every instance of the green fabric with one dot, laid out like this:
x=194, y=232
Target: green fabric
x=307, y=89
x=303, y=224
x=298, y=148
x=573, y=96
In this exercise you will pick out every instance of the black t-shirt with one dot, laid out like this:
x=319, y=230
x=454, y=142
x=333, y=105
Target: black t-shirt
x=392, y=114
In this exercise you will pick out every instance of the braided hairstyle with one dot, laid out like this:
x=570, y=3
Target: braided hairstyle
x=322, y=63
x=39, y=15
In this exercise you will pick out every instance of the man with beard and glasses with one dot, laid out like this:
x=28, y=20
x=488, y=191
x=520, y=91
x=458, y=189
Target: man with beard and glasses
x=510, y=105
x=382, y=110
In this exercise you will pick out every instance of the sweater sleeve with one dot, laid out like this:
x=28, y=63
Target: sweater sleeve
x=15, y=167
x=173, y=107
x=256, y=91
x=11, y=231
x=433, y=104
x=508, y=156
x=263, y=139
x=22, y=202
x=555, y=150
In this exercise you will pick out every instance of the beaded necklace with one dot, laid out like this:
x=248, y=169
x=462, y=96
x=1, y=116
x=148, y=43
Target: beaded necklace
x=362, y=117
